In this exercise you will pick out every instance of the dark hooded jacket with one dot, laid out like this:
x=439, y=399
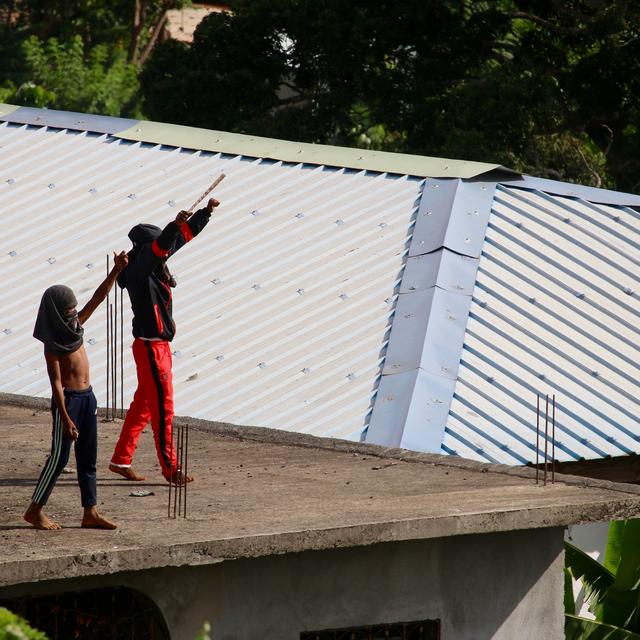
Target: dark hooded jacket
x=147, y=279
x=60, y=331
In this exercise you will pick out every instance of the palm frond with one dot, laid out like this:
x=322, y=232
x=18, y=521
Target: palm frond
x=577, y=628
x=595, y=578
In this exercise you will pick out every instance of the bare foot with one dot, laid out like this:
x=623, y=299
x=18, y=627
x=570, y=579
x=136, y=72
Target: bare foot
x=178, y=477
x=93, y=520
x=34, y=516
x=127, y=473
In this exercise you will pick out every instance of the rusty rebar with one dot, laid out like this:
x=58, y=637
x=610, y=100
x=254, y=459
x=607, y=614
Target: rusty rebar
x=546, y=438
x=170, y=475
x=186, y=468
x=121, y=354
x=108, y=347
x=537, y=438
x=553, y=441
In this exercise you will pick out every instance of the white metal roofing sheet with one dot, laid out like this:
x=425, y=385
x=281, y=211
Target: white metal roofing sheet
x=283, y=302
x=555, y=310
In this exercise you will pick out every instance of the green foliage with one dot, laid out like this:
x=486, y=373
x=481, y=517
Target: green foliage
x=612, y=590
x=203, y=634
x=62, y=77
x=12, y=627
x=544, y=86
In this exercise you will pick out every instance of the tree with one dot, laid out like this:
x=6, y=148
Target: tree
x=612, y=589
x=541, y=86
x=12, y=627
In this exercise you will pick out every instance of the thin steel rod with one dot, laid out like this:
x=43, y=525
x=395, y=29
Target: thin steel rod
x=121, y=355
x=553, y=441
x=186, y=468
x=181, y=475
x=108, y=347
x=177, y=484
x=170, y=476
x=546, y=437
x=537, y=438
x=214, y=184
x=113, y=364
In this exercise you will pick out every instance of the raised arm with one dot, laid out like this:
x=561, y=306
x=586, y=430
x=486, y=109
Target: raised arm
x=53, y=369
x=190, y=225
x=119, y=263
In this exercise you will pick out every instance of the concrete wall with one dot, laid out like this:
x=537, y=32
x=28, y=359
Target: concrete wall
x=495, y=586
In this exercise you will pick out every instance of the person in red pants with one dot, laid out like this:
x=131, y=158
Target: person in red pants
x=149, y=283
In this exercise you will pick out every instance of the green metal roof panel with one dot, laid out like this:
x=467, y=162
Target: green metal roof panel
x=287, y=151
x=248, y=145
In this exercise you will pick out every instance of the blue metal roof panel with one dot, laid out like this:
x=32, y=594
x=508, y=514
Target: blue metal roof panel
x=555, y=310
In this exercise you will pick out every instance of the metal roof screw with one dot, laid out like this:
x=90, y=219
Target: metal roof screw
x=51, y=260
x=542, y=376
x=176, y=353
x=382, y=225
x=595, y=374
x=412, y=287
x=262, y=365
x=52, y=185
x=567, y=220
x=467, y=240
x=217, y=140
x=616, y=218
x=93, y=190
x=579, y=294
x=436, y=186
x=300, y=215
x=388, y=398
x=132, y=196
x=306, y=370
x=91, y=341
x=11, y=181
x=220, y=358
x=532, y=300
x=446, y=167
x=255, y=213
x=483, y=188
x=344, y=296
x=629, y=291
x=436, y=400
x=444, y=369
x=409, y=315
x=451, y=317
x=300, y=292
x=351, y=376
x=475, y=212
x=13, y=254
x=519, y=225
x=490, y=379
x=172, y=203
x=482, y=303
x=300, y=151
x=257, y=287
x=360, y=157
x=89, y=265
x=395, y=366
x=339, y=221
x=428, y=213
x=7, y=331
x=388, y=300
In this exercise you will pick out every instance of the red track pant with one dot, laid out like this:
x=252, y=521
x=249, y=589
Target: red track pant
x=152, y=401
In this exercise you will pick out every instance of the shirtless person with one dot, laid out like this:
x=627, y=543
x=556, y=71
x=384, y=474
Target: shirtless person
x=73, y=405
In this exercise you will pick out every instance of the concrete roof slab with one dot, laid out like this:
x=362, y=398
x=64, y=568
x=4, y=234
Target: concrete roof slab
x=261, y=492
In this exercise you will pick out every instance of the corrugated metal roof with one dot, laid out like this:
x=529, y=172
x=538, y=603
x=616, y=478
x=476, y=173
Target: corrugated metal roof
x=282, y=305
x=248, y=145
x=287, y=302
x=555, y=310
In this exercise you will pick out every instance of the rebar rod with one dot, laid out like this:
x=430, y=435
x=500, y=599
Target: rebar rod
x=186, y=468
x=553, y=441
x=537, y=438
x=121, y=354
x=170, y=476
x=546, y=437
x=108, y=346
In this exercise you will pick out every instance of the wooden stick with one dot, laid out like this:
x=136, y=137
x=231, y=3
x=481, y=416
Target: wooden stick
x=215, y=183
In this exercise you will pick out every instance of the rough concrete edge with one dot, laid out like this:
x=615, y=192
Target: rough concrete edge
x=207, y=552
x=292, y=439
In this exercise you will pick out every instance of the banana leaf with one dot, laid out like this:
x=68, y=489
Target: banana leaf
x=576, y=628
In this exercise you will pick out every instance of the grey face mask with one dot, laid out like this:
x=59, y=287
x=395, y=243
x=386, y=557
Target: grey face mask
x=59, y=330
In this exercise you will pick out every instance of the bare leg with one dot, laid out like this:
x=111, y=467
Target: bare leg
x=34, y=516
x=93, y=520
x=126, y=472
